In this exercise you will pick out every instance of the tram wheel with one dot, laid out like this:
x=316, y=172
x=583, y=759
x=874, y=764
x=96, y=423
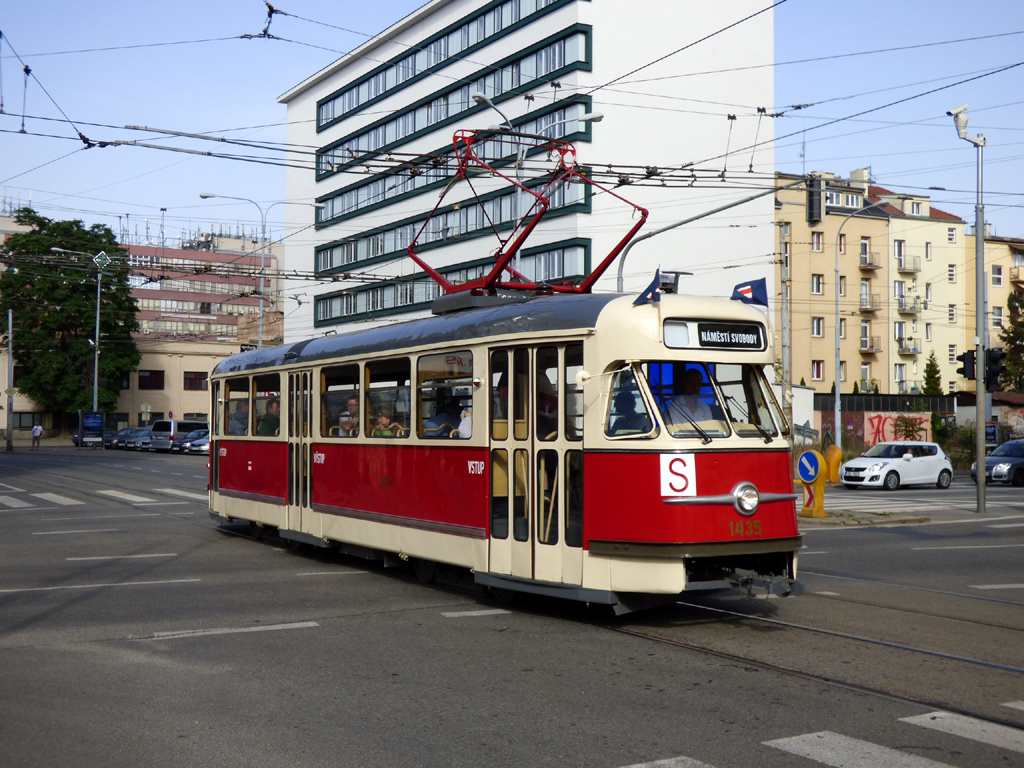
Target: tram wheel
x=892, y=481
x=945, y=478
x=503, y=596
x=425, y=570
x=255, y=530
x=1018, y=478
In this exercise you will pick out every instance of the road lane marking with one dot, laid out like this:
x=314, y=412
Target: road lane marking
x=466, y=614
x=228, y=631
x=1001, y=736
x=184, y=494
x=83, y=530
x=159, y=503
x=98, y=586
x=124, y=557
x=826, y=594
x=54, y=498
x=840, y=751
x=816, y=552
x=122, y=496
x=96, y=517
x=331, y=573
x=1014, y=704
x=672, y=762
x=1008, y=525
x=997, y=586
x=975, y=546
x=11, y=488
x=13, y=503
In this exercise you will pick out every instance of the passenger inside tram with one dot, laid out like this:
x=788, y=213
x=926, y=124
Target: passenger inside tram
x=383, y=426
x=625, y=419
x=445, y=421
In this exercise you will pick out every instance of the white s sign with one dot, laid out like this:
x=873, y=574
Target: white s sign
x=678, y=474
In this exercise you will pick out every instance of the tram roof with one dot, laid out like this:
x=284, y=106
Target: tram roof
x=537, y=315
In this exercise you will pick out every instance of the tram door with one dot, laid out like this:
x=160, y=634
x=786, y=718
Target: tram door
x=529, y=456
x=300, y=433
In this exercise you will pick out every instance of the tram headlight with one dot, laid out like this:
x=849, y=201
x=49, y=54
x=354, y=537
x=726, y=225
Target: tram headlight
x=746, y=499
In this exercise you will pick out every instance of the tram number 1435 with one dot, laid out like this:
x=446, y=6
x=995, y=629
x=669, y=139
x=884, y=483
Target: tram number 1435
x=744, y=528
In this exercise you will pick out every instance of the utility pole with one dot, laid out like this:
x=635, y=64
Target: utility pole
x=10, y=379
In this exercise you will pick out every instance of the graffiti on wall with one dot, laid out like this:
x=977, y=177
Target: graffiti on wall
x=878, y=427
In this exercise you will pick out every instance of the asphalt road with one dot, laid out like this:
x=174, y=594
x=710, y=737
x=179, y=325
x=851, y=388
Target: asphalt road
x=134, y=632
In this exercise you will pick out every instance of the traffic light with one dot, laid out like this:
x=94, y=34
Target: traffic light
x=967, y=369
x=815, y=186
x=994, y=365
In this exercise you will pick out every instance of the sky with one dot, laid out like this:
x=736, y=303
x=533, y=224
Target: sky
x=875, y=82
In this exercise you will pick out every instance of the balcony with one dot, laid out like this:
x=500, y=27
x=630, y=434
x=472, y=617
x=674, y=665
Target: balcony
x=1017, y=274
x=908, y=264
x=870, y=260
x=909, y=387
x=870, y=302
x=870, y=344
x=908, y=305
x=908, y=346
x=868, y=385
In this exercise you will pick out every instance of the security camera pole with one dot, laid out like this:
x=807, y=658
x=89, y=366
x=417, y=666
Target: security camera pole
x=960, y=121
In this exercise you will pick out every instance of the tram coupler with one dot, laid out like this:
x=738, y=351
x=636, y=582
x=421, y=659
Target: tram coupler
x=773, y=585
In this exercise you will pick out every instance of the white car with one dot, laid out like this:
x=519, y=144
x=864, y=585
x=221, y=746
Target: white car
x=890, y=465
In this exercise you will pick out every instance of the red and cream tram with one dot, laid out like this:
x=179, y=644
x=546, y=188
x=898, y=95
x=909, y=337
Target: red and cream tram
x=570, y=445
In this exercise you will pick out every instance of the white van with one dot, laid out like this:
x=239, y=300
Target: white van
x=165, y=430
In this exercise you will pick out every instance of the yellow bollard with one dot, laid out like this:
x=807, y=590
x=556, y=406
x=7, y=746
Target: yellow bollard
x=811, y=469
x=833, y=458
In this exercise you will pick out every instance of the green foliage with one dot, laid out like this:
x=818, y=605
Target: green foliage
x=907, y=427
x=802, y=382
x=932, y=376
x=1013, y=343
x=856, y=389
x=53, y=299
x=875, y=390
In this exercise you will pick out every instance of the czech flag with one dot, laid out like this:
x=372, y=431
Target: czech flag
x=652, y=292
x=753, y=292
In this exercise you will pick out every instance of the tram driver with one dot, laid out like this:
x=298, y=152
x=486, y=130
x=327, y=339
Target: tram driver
x=689, y=406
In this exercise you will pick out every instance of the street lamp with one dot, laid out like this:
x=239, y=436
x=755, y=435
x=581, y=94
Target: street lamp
x=263, y=240
x=838, y=409
x=100, y=260
x=960, y=121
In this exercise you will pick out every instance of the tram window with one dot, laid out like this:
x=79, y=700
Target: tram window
x=547, y=393
x=216, y=408
x=573, y=414
x=520, y=485
x=520, y=393
x=687, y=399
x=236, y=406
x=339, y=401
x=499, y=395
x=445, y=395
x=574, y=498
x=499, y=494
x=746, y=404
x=266, y=400
x=387, y=402
x=547, y=496
x=627, y=414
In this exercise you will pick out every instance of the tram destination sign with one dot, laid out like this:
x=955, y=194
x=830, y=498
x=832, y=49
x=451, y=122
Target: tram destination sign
x=730, y=335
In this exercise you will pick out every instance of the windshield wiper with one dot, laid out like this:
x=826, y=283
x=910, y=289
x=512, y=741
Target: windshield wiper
x=704, y=437
x=761, y=430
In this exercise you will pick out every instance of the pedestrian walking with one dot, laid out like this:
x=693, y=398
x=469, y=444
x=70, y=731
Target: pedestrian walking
x=37, y=433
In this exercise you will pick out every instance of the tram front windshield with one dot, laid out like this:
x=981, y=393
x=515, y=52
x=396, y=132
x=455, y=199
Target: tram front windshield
x=708, y=400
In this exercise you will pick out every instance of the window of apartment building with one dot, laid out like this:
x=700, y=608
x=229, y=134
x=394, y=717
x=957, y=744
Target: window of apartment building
x=899, y=289
x=927, y=291
x=952, y=313
x=952, y=353
x=817, y=370
x=853, y=201
x=842, y=327
x=817, y=239
x=899, y=330
x=865, y=334
x=865, y=246
x=842, y=285
x=951, y=273
x=151, y=379
x=842, y=370
x=842, y=243
x=997, y=317
x=952, y=387
x=951, y=235
x=195, y=381
x=997, y=275
x=915, y=209
x=899, y=372
x=898, y=249
x=927, y=251
x=817, y=281
x=927, y=331
x=865, y=372
x=817, y=326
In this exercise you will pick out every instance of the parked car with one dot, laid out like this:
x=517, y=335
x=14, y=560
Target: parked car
x=200, y=445
x=111, y=441
x=1004, y=465
x=167, y=431
x=890, y=465
x=140, y=441
x=181, y=442
x=121, y=438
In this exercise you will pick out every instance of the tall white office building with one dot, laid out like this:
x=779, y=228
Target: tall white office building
x=679, y=84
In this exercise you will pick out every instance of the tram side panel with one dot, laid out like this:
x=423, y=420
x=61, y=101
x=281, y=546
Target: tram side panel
x=253, y=470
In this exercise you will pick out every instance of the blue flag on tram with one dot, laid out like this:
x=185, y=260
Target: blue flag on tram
x=753, y=292
x=652, y=292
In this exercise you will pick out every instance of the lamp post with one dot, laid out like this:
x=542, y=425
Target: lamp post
x=960, y=121
x=263, y=241
x=100, y=260
x=838, y=408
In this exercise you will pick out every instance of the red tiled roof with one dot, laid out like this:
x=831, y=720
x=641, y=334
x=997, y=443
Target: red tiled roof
x=874, y=193
x=937, y=214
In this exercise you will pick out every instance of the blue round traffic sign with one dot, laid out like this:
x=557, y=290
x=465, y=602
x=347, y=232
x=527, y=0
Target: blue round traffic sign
x=808, y=466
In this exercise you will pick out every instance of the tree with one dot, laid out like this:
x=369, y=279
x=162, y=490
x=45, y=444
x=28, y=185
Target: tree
x=1013, y=344
x=53, y=299
x=932, y=376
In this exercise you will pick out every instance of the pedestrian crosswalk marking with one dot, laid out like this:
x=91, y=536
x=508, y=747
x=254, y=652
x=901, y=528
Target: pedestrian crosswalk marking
x=840, y=751
x=11, y=488
x=672, y=762
x=14, y=503
x=184, y=494
x=1014, y=704
x=54, y=498
x=1001, y=736
x=122, y=496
